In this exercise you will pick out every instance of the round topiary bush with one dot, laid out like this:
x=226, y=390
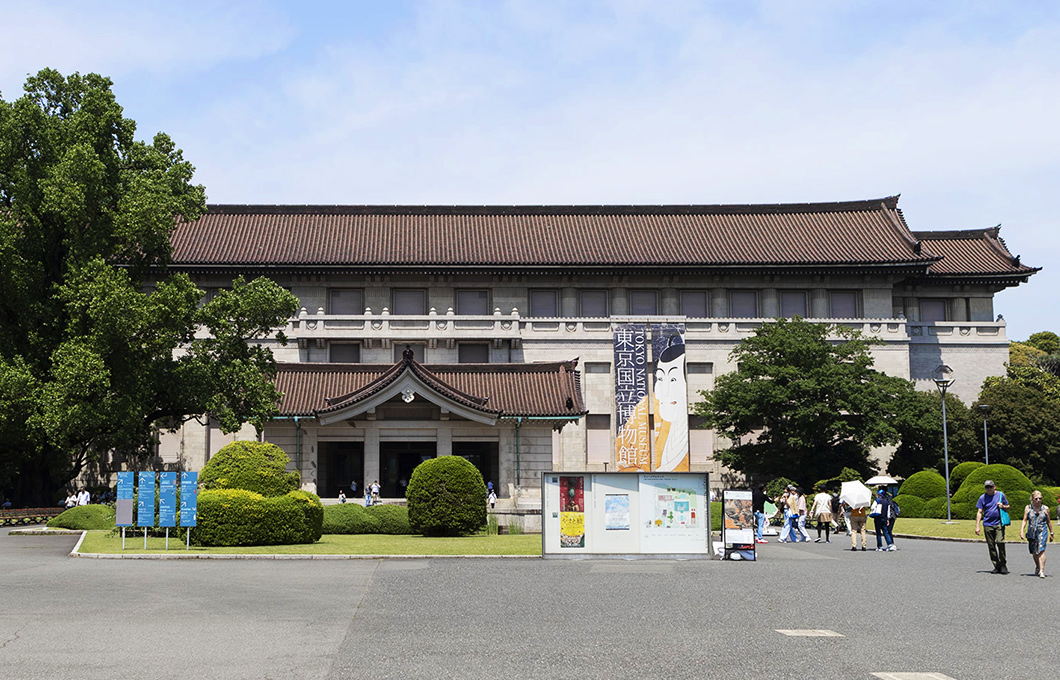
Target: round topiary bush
x=934, y=508
x=1006, y=477
x=390, y=519
x=84, y=518
x=231, y=517
x=446, y=497
x=925, y=485
x=253, y=466
x=961, y=472
x=912, y=506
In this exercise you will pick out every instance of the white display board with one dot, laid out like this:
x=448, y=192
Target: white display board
x=625, y=513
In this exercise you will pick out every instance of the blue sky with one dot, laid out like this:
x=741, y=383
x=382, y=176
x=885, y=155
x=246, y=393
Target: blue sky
x=954, y=105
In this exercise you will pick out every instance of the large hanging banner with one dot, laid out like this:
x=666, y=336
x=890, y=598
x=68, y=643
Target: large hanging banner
x=632, y=446
x=572, y=512
x=670, y=395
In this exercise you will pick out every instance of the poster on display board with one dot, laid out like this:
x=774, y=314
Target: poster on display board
x=572, y=511
x=738, y=525
x=672, y=513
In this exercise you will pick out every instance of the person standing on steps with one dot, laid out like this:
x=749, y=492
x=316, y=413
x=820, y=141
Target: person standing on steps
x=988, y=521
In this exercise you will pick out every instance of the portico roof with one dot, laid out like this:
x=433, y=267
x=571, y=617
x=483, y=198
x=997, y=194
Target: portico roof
x=482, y=392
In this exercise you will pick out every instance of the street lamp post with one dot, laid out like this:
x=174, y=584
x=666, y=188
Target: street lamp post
x=986, y=448
x=943, y=377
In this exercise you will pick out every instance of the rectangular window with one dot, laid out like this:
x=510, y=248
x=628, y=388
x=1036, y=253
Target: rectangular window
x=476, y=302
x=743, y=303
x=595, y=421
x=418, y=351
x=843, y=304
x=345, y=301
x=344, y=353
x=702, y=368
x=694, y=304
x=473, y=353
x=409, y=301
x=932, y=309
x=597, y=367
x=792, y=303
x=592, y=303
x=544, y=303
x=643, y=302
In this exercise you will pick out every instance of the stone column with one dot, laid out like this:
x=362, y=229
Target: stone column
x=819, y=304
x=371, y=452
x=770, y=303
x=444, y=438
x=719, y=302
x=912, y=309
x=619, y=301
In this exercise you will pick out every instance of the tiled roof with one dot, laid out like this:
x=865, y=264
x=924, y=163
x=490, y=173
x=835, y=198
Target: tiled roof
x=799, y=234
x=547, y=389
x=974, y=252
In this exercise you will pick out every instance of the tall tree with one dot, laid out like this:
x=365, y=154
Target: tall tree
x=804, y=402
x=98, y=342
x=1024, y=424
x=919, y=426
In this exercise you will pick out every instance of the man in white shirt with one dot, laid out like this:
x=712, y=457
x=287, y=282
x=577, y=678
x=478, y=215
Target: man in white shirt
x=83, y=497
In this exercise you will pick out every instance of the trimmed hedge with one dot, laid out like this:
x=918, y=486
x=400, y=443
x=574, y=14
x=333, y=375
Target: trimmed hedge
x=84, y=517
x=446, y=497
x=911, y=506
x=390, y=519
x=924, y=485
x=1007, y=478
x=231, y=517
x=253, y=466
x=961, y=472
x=313, y=510
x=353, y=518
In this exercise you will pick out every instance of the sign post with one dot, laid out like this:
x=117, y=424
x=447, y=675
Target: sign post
x=189, y=501
x=145, y=503
x=126, y=491
x=167, y=502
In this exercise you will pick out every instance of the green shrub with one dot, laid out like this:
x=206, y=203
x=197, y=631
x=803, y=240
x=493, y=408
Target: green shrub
x=776, y=487
x=231, y=517
x=934, y=508
x=716, y=514
x=959, y=473
x=253, y=466
x=925, y=485
x=84, y=517
x=911, y=506
x=390, y=519
x=348, y=518
x=1007, y=478
x=446, y=497
x=313, y=510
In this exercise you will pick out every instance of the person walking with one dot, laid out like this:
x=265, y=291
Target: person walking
x=988, y=521
x=801, y=515
x=758, y=506
x=83, y=497
x=375, y=492
x=785, y=502
x=1037, y=530
x=881, y=519
x=822, y=512
x=856, y=520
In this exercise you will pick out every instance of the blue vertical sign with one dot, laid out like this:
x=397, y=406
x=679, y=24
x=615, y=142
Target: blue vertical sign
x=145, y=502
x=126, y=495
x=189, y=498
x=167, y=499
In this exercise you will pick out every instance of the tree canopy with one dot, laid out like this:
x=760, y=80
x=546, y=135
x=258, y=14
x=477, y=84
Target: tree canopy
x=804, y=402
x=100, y=346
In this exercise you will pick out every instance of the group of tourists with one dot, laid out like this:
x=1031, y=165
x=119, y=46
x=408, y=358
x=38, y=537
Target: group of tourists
x=825, y=511
x=371, y=493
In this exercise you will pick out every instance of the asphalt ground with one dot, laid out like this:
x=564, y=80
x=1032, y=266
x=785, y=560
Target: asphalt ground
x=931, y=607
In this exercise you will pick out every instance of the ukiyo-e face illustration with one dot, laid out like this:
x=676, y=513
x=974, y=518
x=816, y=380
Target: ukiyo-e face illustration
x=671, y=395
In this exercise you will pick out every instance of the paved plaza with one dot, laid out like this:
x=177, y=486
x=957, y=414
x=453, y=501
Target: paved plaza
x=930, y=608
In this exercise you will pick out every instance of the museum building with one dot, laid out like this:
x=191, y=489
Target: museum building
x=489, y=331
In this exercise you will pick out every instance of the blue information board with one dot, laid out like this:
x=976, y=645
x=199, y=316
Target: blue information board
x=167, y=499
x=145, y=502
x=125, y=503
x=189, y=498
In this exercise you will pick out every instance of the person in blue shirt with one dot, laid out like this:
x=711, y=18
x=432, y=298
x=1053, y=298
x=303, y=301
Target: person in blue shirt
x=988, y=520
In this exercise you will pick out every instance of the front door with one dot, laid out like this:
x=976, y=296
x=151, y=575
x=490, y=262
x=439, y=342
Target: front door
x=397, y=460
x=341, y=464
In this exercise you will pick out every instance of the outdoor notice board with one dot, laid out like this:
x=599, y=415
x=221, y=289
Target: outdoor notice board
x=625, y=513
x=738, y=524
x=167, y=499
x=145, y=501
x=189, y=498
x=126, y=494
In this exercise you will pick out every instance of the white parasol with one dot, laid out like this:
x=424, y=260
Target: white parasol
x=855, y=494
x=882, y=480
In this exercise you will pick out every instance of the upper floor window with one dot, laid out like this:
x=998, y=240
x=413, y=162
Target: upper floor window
x=544, y=303
x=473, y=353
x=792, y=303
x=409, y=301
x=932, y=309
x=345, y=301
x=592, y=302
x=344, y=353
x=843, y=304
x=743, y=303
x=597, y=367
x=643, y=302
x=475, y=302
x=694, y=303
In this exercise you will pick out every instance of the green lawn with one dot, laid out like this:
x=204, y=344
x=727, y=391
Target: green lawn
x=329, y=544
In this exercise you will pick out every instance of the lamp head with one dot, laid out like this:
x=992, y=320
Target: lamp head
x=943, y=377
